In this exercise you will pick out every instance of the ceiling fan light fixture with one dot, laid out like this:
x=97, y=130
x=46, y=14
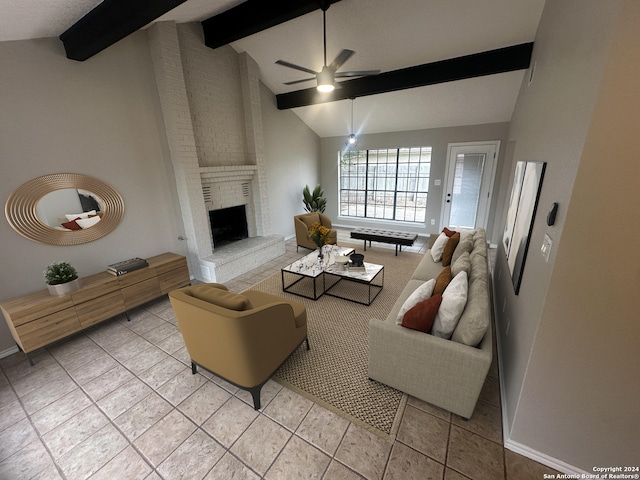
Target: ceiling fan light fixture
x=326, y=81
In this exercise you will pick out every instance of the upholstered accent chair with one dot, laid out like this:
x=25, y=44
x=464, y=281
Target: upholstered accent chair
x=242, y=338
x=303, y=224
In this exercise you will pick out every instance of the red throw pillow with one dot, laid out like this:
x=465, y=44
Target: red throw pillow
x=449, y=248
x=447, y=232
x=72, y=225
x=422, y=316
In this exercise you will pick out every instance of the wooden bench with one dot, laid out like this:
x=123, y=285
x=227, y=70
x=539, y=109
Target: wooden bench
x=384, y=236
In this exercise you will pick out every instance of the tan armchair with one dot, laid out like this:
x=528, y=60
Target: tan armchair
x=242, y=338
x=303, y=224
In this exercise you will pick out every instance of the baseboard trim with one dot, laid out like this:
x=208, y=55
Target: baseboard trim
x=544, y=459
x=512, y=445
x=8, y=351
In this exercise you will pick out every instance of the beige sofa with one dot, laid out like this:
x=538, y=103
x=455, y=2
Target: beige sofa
x=445, y=373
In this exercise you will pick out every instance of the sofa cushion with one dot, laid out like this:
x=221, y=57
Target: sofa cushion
x=427, y=269
x=465, y=245
x=466, y=232
x=421, y=316
x=475, y=319
x=479, y=268
x=221, y=298
x=480, y=245
x=454, y=300
x=449, y=248
x=463, y=263
x=420, y=294
x=442, y=281
x=438, y=247
x=447, y=232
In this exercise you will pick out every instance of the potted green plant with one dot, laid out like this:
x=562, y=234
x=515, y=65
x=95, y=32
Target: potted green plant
x=61, y=278
x=314, y=202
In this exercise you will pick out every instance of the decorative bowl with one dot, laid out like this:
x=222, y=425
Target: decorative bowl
x=357, y=259
x=341, y=261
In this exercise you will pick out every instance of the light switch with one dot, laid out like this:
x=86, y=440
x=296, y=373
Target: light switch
x=437, y=182
x=546, y=247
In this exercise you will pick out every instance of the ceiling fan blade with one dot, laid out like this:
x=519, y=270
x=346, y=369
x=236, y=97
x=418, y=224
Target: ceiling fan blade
x=342, y=57
x=357, y=73
x=296, y=67
x=299, y=81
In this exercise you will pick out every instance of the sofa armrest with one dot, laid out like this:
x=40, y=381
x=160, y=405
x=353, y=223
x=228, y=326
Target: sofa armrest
x=447, y=374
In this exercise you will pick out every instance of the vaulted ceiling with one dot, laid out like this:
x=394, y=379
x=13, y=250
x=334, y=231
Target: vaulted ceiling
x=386, y=35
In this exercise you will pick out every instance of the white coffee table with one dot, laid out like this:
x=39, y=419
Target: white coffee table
x=351, y=283
x=305, y=277
x=310, y=278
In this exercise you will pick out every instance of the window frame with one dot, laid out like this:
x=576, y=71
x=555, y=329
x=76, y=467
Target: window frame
x=364, y=191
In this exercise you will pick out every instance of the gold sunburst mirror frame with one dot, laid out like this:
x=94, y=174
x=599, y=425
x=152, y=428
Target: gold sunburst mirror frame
x=20, y=209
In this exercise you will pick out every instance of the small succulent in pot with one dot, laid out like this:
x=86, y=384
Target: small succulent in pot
x=58, y=273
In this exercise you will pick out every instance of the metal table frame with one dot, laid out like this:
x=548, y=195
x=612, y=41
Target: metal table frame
x=370, y=283
x=318, y=271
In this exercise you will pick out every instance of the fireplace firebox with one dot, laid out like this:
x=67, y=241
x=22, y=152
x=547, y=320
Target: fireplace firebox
x=228, y=225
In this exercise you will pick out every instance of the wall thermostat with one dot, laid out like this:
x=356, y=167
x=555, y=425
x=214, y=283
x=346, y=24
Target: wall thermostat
x=551, y=217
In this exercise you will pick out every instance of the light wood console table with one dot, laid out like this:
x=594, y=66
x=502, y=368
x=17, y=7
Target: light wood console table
x=38, y=319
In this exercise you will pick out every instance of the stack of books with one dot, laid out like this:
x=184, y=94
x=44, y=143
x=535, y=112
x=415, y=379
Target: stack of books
x=126, y=266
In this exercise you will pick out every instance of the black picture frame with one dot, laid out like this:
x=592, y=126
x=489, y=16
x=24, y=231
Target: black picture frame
x=523, y=204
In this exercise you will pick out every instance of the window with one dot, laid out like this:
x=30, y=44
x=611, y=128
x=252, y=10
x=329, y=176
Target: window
x=389, y=184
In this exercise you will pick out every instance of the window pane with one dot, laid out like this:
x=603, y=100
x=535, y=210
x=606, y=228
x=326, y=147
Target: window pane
x=390, y=184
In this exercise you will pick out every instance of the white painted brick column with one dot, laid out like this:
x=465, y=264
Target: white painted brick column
x=250, y=80
x=165, y=52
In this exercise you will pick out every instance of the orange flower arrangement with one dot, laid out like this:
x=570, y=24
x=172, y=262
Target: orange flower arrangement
x=319, y=234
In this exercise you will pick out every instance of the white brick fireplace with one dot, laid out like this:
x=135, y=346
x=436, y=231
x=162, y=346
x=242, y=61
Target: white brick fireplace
x=210, y=102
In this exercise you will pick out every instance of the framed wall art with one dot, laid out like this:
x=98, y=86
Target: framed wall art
x=523, y=204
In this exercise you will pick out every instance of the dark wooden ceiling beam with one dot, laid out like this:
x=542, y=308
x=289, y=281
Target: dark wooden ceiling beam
x=110, y=22
x=516, y=57
x=253, y=16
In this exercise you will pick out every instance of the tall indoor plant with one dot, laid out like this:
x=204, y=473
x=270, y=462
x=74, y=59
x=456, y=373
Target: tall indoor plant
x=314, y=202
x=61, y=278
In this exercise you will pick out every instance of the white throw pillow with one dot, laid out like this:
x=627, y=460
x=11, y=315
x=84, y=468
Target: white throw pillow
x=454, y=300
x=87, y=222
x=420, y=294
x=465, y=232
x=73, y=216
x=438, y=247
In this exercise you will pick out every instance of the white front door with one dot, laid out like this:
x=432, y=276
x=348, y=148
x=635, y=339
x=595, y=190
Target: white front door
x=468, y=184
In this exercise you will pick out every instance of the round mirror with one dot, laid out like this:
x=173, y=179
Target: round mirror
x=70, y=209
x=64, y=209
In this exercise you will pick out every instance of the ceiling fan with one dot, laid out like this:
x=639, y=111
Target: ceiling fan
x=326, y=77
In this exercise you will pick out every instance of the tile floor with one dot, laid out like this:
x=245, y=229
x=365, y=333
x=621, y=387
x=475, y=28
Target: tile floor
x=119, y=402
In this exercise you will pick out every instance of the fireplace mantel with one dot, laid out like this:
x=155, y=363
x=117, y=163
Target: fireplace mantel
x=225, y=173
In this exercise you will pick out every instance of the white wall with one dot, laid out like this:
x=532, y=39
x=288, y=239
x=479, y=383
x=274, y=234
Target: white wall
x=102, y=118
x=291, y=155
x=568, y=341
x=438, y=139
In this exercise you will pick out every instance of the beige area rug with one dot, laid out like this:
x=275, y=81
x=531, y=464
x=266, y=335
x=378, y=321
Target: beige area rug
x=334, y=373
